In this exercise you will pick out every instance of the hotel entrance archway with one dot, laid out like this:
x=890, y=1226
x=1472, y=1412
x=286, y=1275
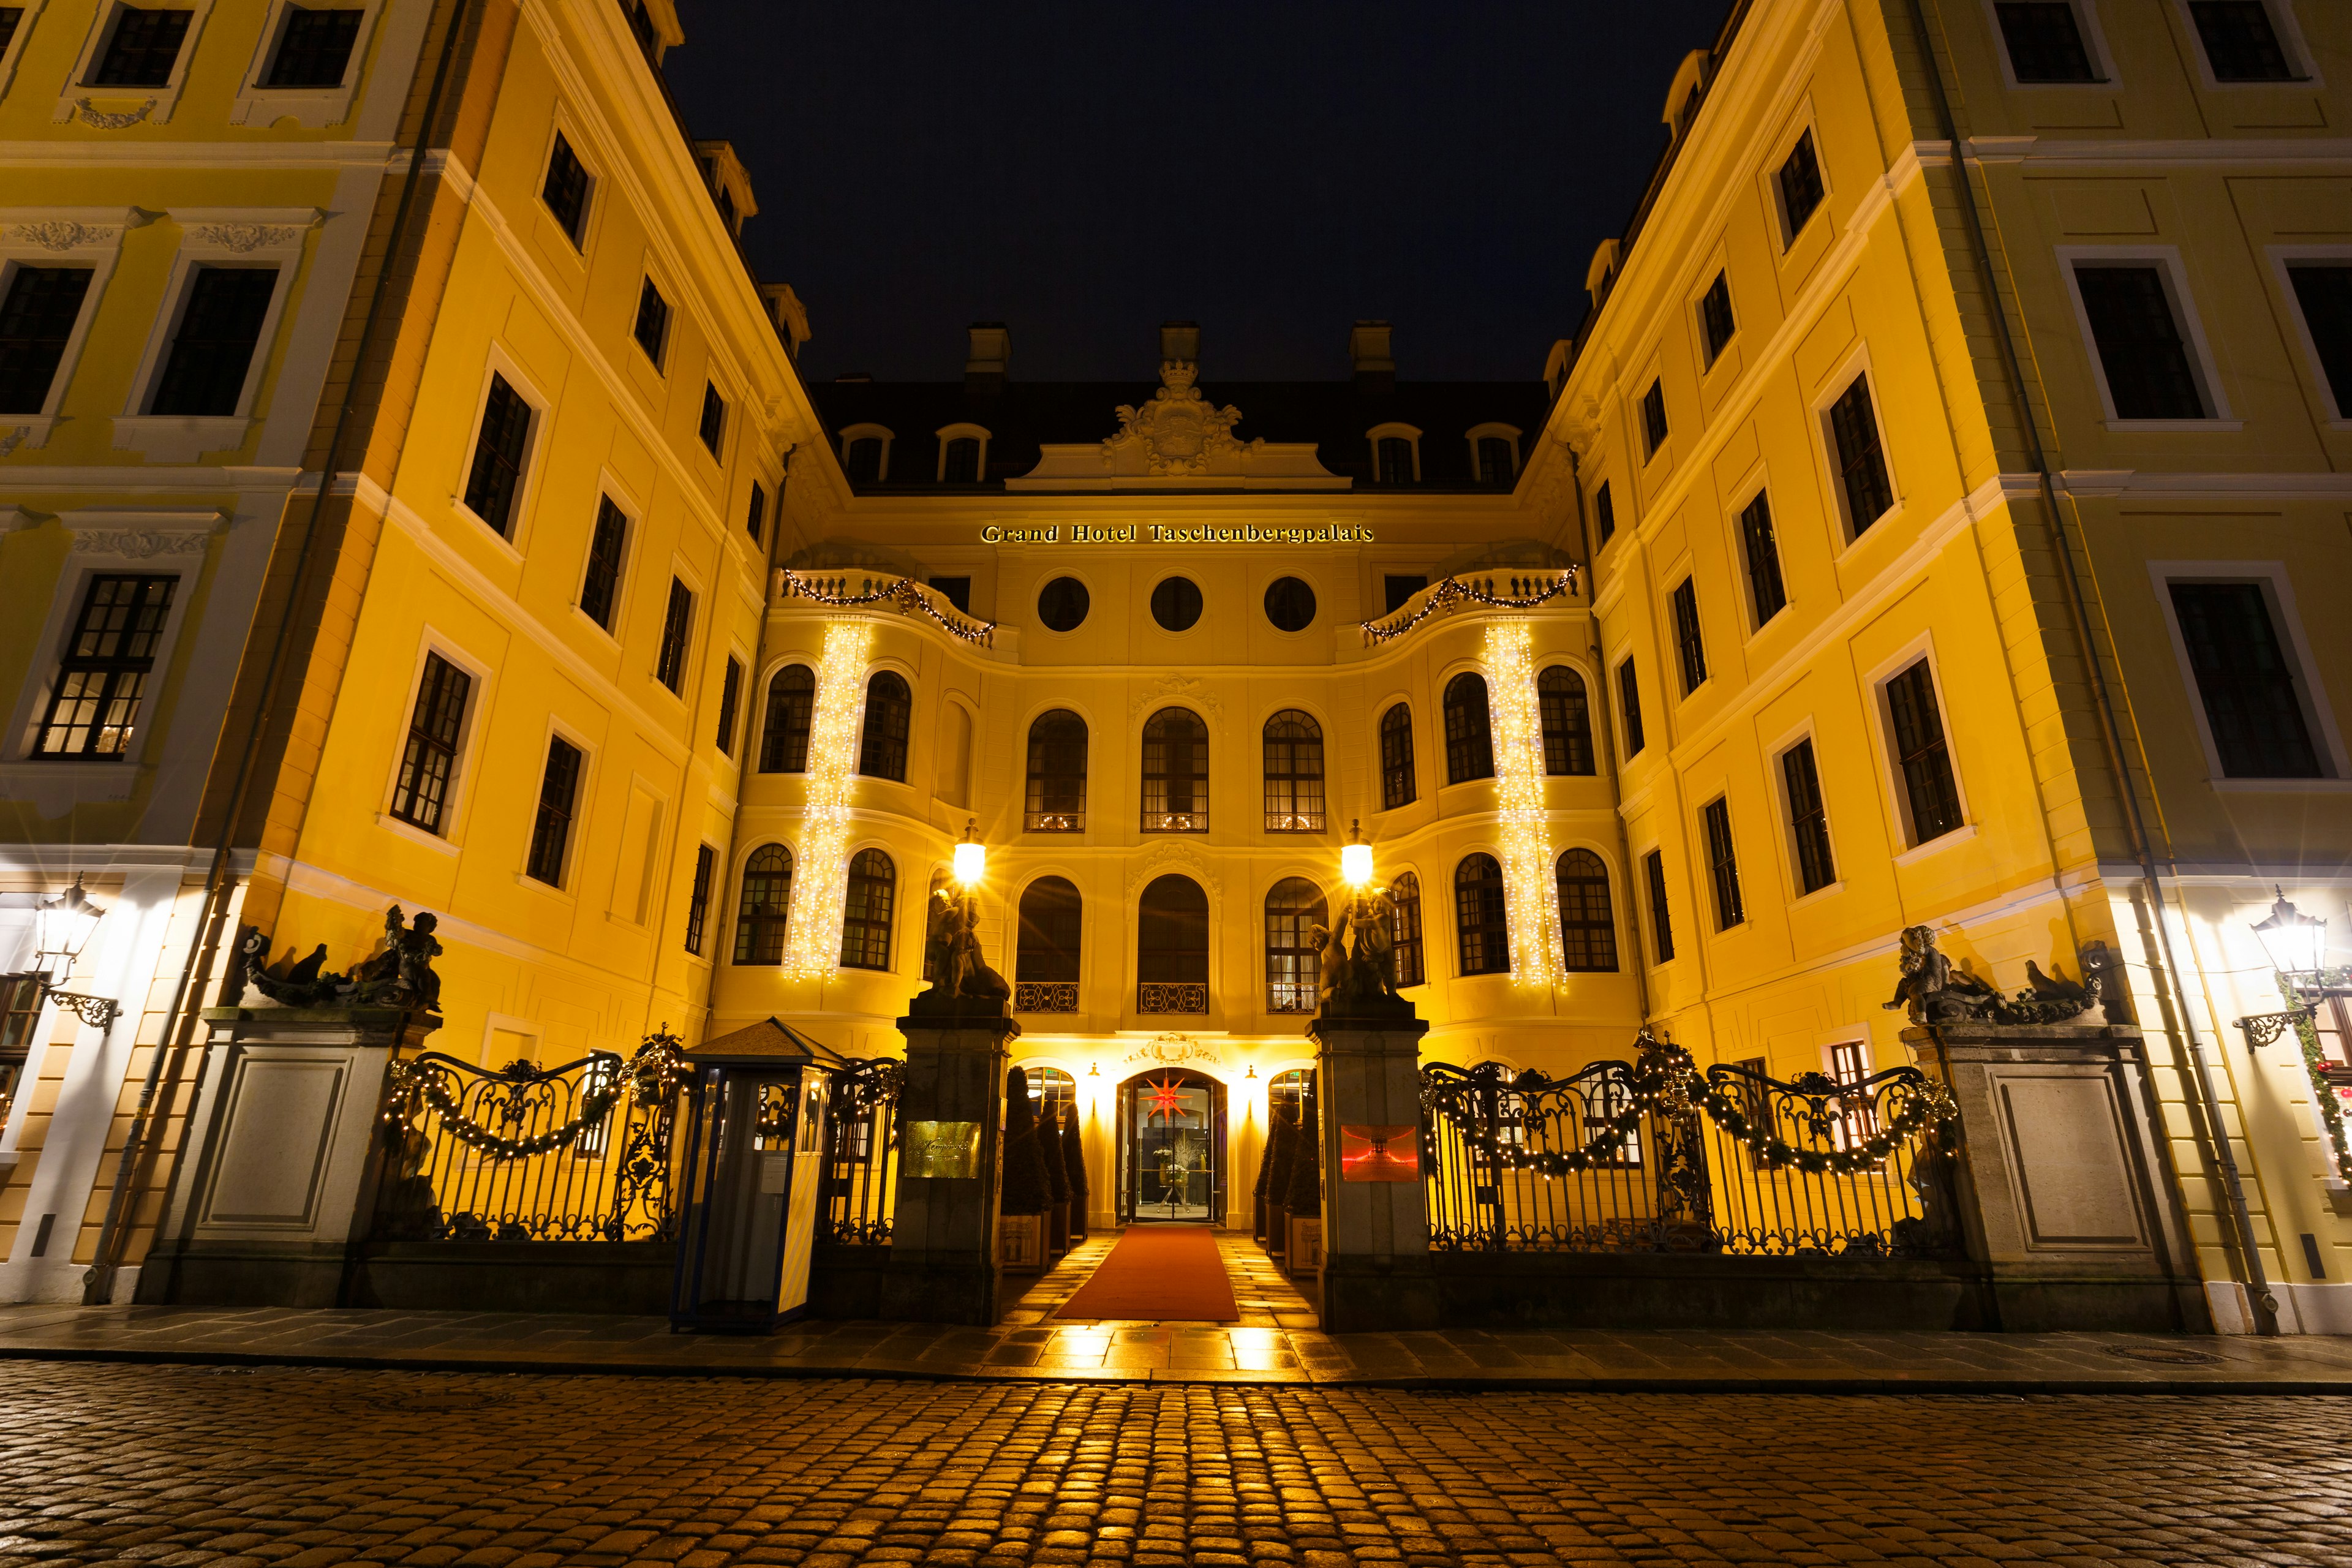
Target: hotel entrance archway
x=1171, y=1148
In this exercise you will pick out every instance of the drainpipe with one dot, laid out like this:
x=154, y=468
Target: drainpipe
x=2258, y=1290
x=220, y=882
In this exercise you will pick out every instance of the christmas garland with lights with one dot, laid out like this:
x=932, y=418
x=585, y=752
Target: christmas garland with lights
x=1453, y=590
x=2315, y=1066
x=652, y=1075
x=901, y=592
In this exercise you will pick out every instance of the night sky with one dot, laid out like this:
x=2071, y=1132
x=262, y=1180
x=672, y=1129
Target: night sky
x=1274, y=171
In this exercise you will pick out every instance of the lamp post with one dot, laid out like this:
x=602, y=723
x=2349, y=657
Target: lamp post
x=971, y=858
x=62, y=928
x=2296, y=945
x=1356, y=861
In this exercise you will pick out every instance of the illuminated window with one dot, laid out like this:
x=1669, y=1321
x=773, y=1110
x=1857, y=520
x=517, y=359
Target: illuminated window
x=785, y=732
x=429, y=758
x=103, y=677
x=1469, y=730
x=766, y=902
x=866, y=912
x=1292, y=965
x=1175, y=772
x=1294, y=773
x=882, y=742
x=1057, y=774
x=1405, y=931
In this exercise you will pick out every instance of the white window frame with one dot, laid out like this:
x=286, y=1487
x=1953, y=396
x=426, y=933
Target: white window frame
x=560, y=124
x=14, y=53
x=610, y=487
x=458, y=800
x=2095, y=44
x=1835, y=387
x=313, y=108
x=82, y=96
x=498, y=360
x=2282, y=256
x=1492, y=428
x=2286, y=623
x=50, y=236
x=958, y=432
x=1789, y=741
x=2291, y=42
x=241, y=236
x=2169, y=268
x=853, y=434
x=1804, y=121
x=1890, y=770
x=1391, y=430
x=571, y=735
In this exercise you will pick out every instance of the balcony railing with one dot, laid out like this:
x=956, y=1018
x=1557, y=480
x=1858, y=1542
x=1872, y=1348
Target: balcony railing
x=1044, y=995
x=1172, y=996
x=1176, y=821
x=1054, y=822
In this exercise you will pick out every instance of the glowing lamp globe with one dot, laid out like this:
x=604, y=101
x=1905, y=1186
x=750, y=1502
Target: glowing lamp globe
x=2296, y=942
x=1356, y=859
x=62, y=925
x=971, y=858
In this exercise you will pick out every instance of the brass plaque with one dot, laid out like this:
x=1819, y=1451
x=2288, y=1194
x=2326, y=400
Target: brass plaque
x=942, y=1149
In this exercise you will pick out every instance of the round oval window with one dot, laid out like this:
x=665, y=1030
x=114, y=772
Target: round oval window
x=1290, y=603
x=1176, y=603
x=1062, y=604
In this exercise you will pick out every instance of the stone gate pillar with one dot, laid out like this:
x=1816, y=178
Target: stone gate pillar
x=951, y=1126
x=1376, y=1269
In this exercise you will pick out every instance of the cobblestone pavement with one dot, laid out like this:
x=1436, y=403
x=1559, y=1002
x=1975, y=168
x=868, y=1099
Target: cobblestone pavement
x=301, y=1468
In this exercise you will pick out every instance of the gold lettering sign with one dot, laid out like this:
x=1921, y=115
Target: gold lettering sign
x=942, y=1149
x=1160, y=533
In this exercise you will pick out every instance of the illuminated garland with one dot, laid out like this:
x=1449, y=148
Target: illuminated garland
x=1527, y=882
x=2315, y=1066
x=1453, y=591
x=652, y=1076
x=901, y=592
x=821, y=879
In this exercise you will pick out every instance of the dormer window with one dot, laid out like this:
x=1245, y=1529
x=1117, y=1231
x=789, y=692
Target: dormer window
x=1495, y=456
x=866, y=454
x=641, y=27
x=725, y=209
x=963, y=455
x=1396, y=454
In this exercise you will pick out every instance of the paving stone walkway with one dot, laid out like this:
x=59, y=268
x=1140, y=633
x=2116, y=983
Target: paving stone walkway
x=307, y=1468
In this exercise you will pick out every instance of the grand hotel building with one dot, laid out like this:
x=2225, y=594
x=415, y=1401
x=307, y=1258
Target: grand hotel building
x=1930, y=525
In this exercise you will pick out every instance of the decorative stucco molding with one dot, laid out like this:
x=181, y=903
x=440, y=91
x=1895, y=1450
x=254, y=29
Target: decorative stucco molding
x=110, y=120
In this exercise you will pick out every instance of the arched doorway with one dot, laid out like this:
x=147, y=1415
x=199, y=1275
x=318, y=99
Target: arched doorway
x=1171, y=1148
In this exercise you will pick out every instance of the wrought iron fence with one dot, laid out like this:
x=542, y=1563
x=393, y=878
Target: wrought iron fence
x=578, y=1153
x=1044, y=995
x=858, y=1195
x=1651, y=1156
x=1170, y=996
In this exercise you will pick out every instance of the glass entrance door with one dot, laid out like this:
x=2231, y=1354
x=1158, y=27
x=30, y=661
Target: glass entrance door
x=1171, y=1148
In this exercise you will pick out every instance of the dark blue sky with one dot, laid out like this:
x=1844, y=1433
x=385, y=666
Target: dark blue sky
x=1274, y=171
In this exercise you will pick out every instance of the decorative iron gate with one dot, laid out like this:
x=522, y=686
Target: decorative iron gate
x=858, y=1194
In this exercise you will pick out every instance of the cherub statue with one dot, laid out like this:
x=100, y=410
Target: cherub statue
x=1935, y=991
x=954, y=941
x=402, y=975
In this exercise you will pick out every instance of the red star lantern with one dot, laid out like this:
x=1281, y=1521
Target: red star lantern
x=1167, y=1099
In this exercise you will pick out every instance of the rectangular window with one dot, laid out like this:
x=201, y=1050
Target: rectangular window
x=1850, y=1065
x=2252, y=704
x=1654, y=417
x=1722, y=863
x=603, y=584
x=1714, y=314
x=429, y=758
x=1393, y=456
x=2044, y=38
x=1398, y=590
x=730, y=696
x=2323, y=290
x=755, y=516
x=142, y=49
x=35, y=319
x=956, y=591
x=1920, y=752
x=1809, y=823
x=550, y=832
x=669, y=666
x=698, y=902
x=1629, y=702
x=2139, y=342
x=104, y=672
x=652, y=331
x=11, y=18
x=1802, y=190
x=1689, y=647
x=496, y=480
x=1765, y=588
x=714, y=418
x=1498, y=464
x=1604, y=512
x=212, y=351
x=2241, y=42
x=565, y=191
x=1862, y=461
x=1662, y=925
x=316, y=48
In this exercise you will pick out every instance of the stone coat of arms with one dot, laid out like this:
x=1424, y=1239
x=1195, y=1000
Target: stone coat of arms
x=1178, y=432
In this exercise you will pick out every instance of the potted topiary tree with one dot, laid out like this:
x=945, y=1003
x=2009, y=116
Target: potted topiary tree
x=1057, y=1183
x=1074, y=1166
x=1023, y=1197
x=1276, y=1175
x=1303, y=1202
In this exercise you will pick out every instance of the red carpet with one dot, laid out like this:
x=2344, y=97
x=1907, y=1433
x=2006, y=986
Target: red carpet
x=1158, y=1273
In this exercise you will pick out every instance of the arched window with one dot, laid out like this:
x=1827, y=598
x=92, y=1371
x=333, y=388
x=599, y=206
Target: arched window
x=1480, y=924
x=1469, y=730
x=863, y=461
x=783, y=734
x=1405, y=931
x=1587, y=928
x=1046, y=959
x=1396, y=758
x=1175, y=772
x=1171, y=947
x=1293, y=968
x=866, y=913
x=959, y=463
x=889, y=706
x=1057, y=774
x=1567, y=721
x=1294, y=773
x=1054, y=1091
x=767, y=898
x=1394, y=457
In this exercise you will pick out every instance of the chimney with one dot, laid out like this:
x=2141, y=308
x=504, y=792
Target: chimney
x=1180, y=340
x=984, y=367
x=1368, y=346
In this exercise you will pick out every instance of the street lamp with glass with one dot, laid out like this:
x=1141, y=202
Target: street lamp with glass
x=62, y=927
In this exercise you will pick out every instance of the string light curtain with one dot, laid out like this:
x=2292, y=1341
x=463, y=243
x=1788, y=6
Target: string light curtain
x=813, y=935
x=1516, y=715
